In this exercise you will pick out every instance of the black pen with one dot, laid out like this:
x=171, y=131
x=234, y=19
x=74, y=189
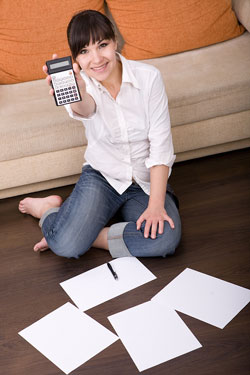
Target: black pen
x=112, y=271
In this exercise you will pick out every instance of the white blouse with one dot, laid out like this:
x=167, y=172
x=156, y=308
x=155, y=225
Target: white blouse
x=128, y=135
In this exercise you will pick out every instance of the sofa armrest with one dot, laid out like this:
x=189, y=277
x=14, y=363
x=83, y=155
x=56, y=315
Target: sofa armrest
x=242, y=11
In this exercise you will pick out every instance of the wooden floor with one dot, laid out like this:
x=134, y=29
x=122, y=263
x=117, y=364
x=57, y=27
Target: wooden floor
x=214, y=195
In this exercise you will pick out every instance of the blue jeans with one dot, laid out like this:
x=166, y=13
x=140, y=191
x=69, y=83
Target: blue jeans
x=71, y=229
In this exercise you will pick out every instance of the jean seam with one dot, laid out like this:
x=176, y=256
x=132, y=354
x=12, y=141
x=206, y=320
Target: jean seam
x=115, y=237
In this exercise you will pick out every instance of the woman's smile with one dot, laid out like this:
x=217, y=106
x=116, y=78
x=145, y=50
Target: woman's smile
x=100, y=68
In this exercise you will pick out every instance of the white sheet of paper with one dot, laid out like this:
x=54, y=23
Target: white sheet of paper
x=204, y=297
x=98, y=285
x=153, y=334
x=68, y=337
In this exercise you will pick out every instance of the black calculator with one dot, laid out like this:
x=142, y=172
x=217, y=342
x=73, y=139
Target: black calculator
x=64, y=83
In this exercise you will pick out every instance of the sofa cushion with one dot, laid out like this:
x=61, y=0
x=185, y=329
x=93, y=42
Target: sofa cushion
x=209, y=82
x=31, y=31
x=32, y=124
x=153, y=28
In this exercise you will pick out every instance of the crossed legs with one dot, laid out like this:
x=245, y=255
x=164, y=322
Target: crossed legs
x=72, y=227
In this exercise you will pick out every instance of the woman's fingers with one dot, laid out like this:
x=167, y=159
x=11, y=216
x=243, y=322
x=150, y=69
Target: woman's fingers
x=49, y=82
x=161, y=227
x=169, y=220
x=48, y=78
x=76, y=68
x=139, y=222
x=147, y=228
x=154, y=226
x=45, y=68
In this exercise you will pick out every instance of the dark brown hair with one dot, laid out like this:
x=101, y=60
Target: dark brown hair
x=87, y=26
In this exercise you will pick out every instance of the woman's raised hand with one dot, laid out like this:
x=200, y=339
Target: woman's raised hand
x=80, y=81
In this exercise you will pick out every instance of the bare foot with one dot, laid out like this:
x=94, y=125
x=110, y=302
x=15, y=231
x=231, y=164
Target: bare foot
x=36, y=207
x=41, y=246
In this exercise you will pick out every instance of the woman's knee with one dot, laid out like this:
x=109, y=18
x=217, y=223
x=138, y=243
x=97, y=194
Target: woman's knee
x=173, y=236
x=163, y=245
x=167, y=243
x=66, y=249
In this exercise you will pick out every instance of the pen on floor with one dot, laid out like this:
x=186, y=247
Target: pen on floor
x=112, y=271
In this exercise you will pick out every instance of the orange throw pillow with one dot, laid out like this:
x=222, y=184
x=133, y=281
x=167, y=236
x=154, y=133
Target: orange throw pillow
x=153, y=28
x=31, y=31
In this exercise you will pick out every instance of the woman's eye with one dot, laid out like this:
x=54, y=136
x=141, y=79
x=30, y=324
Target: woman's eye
x=103, y=45
x=83, y=51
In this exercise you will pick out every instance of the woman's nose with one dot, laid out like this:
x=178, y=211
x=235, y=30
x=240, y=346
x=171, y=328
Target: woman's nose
x=96, y=57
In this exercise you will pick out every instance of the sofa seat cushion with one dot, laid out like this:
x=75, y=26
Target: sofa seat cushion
x=32, y=124
x=209, y=82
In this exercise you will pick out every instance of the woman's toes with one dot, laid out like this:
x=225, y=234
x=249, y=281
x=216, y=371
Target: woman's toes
x=42, y=245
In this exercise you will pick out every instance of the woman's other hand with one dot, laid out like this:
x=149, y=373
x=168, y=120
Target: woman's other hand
x=154, y=218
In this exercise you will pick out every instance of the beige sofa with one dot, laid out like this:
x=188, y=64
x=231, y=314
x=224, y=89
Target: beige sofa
x=209, y=103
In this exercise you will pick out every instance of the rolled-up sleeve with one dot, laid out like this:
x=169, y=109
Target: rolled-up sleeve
x=76, y=116
x=161, y=151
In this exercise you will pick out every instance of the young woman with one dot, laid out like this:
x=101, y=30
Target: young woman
x=129, y=156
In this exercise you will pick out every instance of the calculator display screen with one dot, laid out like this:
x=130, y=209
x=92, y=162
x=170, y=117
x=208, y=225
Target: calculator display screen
x=60, y=64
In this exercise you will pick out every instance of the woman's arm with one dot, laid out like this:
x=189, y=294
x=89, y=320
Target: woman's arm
x=160, y=159
x=155, y=214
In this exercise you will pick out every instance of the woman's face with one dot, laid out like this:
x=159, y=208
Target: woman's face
x=98, y=60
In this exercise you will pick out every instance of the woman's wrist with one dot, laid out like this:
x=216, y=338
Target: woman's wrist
x=156, y=202
x=158, y=185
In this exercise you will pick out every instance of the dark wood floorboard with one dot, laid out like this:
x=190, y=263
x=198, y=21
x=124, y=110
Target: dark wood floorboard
x=214, y=206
